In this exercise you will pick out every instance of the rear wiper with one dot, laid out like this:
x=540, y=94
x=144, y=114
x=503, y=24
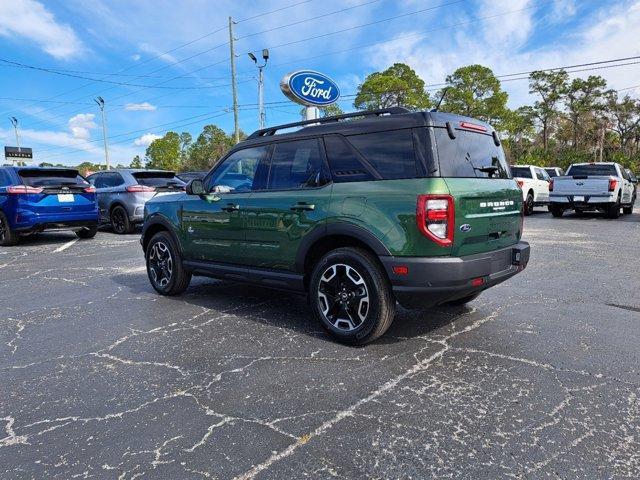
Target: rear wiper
x=490, y=169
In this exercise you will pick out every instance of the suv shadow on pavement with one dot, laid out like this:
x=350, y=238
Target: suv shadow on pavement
x=281, y=309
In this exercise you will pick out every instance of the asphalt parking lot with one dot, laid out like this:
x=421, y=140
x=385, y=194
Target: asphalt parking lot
x=103, y=378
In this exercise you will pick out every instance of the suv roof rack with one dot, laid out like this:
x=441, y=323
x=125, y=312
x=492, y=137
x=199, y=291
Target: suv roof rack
x=266, y=132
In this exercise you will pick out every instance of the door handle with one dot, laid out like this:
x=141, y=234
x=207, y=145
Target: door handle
x=231, y=207
x=302, y=206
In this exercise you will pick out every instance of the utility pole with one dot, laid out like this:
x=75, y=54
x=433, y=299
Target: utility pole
x=261, y=114
x=14, y=122
x=234, y=89
x=100, y=102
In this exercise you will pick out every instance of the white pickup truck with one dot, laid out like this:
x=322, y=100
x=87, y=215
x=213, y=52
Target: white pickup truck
x=604, y=187
x=534, y=183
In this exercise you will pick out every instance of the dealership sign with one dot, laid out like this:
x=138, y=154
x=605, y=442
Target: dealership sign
x=17, y=152
x=309, y=88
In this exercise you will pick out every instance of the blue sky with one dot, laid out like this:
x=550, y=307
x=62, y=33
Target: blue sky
x=125, y=41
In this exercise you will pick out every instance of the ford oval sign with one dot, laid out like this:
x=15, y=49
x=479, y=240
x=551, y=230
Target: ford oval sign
x=310, y=88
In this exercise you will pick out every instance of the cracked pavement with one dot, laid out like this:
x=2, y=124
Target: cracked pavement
x=537, y=378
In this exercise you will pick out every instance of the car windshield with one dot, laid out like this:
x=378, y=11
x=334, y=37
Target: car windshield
x=52, y=178
x=158, y=179
x=521, y=172
x=592, y=169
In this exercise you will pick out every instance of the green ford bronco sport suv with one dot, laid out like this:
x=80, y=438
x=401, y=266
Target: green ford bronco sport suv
x=356, y=211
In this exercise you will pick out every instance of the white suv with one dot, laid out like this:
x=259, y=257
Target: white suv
x=534, y=183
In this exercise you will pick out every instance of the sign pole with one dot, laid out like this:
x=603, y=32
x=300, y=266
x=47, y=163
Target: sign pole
x=234, y=88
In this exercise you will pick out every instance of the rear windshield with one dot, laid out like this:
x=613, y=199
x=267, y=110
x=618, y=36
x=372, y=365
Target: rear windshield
x=51, y=178
x=470, y=155
x=521, y=172
x=592, y=169
x=157, y=179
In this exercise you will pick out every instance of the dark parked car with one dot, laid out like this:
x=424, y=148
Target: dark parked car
x=356, y=213
x=122, y=194
x=33, y=200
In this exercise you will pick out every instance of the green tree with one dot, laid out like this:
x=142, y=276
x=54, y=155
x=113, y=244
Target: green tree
x=624, y=115
x=137, y=162
x=550, y=87
x=398, y=85
x=328, y=111
x=210, y=145
x=164, y=153
x=475, y=91
x=518, y=127
x=584, y=101
x=45, y=164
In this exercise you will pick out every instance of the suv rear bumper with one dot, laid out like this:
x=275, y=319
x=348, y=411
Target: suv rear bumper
x=436, y=280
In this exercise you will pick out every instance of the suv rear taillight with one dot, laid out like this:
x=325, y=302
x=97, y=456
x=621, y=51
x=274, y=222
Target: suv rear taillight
x=90, y=189
x=551, y=185
x=613, y=183
x=23, y=189
x=140, y=188
x=435, y=216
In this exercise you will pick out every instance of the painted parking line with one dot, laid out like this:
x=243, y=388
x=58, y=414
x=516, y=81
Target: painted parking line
x=62, y=248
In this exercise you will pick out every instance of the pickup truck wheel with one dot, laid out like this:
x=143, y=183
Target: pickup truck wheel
x=351, y=297
x=528, y=204
x=164, y=266
x=7, y=236
x=614, y=210
x=556, y=210
x=627, y=210
x=120, y=221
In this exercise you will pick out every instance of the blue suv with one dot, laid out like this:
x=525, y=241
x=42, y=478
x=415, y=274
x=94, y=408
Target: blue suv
x=36, y=199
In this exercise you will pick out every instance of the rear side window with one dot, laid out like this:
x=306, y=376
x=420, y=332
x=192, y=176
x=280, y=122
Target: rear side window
x=470, y=155
x=391, y=153
x=521, y=172
x=5, y=181
x=51, y=178
x=157, y=179
x=296, y=165
x=592, y=169
x=345, y=162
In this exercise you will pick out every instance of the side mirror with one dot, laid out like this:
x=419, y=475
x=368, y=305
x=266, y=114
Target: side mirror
x=195, y=187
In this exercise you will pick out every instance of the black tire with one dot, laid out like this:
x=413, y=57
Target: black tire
x=556, y=210
x=350, y=295
x=7, y=236
x=614, y=210
x=87, y=233
x=464, y=300
x=170, y=277
x=627, y=210
x=120, y=221
x=528, y=204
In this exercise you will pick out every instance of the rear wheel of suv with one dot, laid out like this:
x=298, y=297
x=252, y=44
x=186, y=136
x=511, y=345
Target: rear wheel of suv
x=88, y=232
x=528, y=204
x=556, y=210
x=164, y=266
x=351, y=296
x=120, y=221
x=7, y=236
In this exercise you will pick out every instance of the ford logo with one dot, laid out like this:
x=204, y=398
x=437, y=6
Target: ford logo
x=310, y=88
x=465, y=228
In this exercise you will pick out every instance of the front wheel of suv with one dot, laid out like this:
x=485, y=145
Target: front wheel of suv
x=164, y=266
x=7, y=236
x=351, y=296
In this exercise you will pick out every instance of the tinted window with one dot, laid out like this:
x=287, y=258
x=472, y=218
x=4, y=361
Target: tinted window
x=238, y=171
x=296, y=165
x=521, y=172
x=4, y=179
x=540, y=174
x=157, y=179
x=592, y=169
x=390, y=153
x=109, y=180
x=470, y=155
x=345, y=163
x=550, y=171
x=49, y=178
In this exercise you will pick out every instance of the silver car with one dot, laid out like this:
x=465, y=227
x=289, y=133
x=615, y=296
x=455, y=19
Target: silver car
x=122, y=194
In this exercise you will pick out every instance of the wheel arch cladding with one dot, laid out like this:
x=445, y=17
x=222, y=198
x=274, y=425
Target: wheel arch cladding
x=157, y=224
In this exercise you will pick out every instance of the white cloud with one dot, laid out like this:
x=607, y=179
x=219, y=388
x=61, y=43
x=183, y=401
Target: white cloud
x=31, y=20
x=146, y=139
x=81, y=125
x=144, y=106
x=135, y=57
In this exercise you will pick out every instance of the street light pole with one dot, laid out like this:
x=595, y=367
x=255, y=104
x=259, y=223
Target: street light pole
x=100, y=102
x=14, y=122
x=261, y=113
